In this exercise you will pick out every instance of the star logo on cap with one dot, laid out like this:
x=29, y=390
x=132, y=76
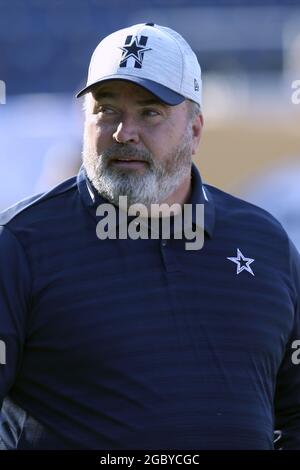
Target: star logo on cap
x=242, y=262
x=134, y=49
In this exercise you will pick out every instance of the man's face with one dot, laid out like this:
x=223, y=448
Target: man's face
x=135, y=145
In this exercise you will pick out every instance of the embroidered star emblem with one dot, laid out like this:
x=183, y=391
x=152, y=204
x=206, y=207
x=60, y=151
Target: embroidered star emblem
x=134, y=50
x=242, y=262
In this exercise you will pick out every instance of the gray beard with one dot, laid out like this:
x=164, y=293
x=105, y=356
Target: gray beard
x=159, y=180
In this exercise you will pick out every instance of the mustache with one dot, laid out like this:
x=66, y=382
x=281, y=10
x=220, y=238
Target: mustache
x=125, y=150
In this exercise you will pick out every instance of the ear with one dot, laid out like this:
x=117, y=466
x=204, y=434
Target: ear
x=197, y=126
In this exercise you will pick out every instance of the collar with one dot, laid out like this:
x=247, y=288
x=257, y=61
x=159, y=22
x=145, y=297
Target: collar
x=200, y=195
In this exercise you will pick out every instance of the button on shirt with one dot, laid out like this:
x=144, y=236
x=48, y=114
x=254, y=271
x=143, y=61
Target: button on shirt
x=143, y=344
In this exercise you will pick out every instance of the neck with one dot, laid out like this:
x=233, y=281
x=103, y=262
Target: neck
x=180, y=196
x=182, y=193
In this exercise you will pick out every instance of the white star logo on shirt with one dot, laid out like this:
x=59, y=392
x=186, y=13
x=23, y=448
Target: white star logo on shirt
x=242, y=262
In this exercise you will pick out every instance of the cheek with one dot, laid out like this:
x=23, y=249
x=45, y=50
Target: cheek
x=173, y=132
x=158, y=141
x=97, y=137
x=103, y=136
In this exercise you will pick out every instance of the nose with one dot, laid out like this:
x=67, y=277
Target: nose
x=127, y=131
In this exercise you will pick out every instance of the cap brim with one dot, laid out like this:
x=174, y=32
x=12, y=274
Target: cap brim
x=166, y=95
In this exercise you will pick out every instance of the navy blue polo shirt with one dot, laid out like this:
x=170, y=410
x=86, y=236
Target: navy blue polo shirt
x=142, y=344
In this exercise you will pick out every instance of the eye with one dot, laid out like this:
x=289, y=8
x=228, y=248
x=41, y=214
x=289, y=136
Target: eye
x=105, y=110
x=151, y=112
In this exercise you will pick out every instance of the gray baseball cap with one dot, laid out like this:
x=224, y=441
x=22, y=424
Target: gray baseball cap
x=152, y=56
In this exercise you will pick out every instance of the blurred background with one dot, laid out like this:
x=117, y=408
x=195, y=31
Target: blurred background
x=249, y=52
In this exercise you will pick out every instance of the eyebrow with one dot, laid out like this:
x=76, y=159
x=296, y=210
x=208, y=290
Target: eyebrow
x=143, y=102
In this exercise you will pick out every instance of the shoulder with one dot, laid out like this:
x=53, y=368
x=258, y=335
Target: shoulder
x=31, y=208
x=235, y=211
x=239, y=221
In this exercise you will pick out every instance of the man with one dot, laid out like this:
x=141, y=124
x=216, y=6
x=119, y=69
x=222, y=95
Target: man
x=139, y=343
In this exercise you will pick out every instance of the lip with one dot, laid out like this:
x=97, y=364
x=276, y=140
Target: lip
x=128, y=159
x=129, y=163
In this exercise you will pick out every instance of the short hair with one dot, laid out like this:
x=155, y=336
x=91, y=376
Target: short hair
x=87, y=102
x=194, y=109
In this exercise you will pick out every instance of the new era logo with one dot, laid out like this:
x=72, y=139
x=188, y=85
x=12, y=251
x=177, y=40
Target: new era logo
x=196, y=85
